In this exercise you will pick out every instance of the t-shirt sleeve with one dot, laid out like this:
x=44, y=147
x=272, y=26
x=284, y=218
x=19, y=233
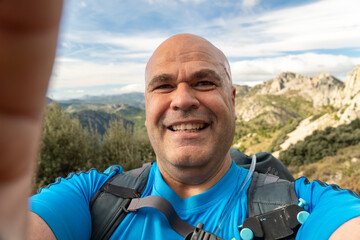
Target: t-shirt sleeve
x=329, y=207
x=64, y=205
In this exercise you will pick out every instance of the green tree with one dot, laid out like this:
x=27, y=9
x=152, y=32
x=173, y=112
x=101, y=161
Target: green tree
x=66, y=146
x=120, y=146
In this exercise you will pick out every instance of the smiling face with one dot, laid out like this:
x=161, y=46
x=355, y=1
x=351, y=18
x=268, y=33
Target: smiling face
x=189, y=101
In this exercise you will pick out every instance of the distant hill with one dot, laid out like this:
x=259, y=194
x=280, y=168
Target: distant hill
x=135, y=99
x=128, y=108
x=100, y=120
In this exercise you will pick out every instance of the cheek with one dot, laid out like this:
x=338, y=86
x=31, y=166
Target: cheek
x=155, y=109
x=219, y=104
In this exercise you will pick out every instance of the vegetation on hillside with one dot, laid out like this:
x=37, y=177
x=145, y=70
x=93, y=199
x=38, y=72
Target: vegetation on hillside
x=292, y=102
x=68, y=147
x=321, y=144
x=100, y=120
x=343, y=169
x=282, y=135
x=281, y=115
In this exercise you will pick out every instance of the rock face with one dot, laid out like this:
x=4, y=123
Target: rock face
x=279, y=99
x=252, y=107
x=348, y=98
x=320, y=88
x=252, y=102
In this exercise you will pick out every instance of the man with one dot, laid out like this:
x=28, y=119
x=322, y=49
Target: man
x=190, y=120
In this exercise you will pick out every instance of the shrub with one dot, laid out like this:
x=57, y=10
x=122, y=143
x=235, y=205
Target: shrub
x=321, y=144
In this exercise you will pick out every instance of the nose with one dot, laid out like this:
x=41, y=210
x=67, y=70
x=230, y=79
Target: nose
x=184, y=98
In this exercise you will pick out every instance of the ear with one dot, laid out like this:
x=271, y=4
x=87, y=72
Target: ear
x=233, y=94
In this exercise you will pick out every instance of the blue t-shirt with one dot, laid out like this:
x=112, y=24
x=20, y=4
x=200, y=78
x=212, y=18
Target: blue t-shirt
x=65, y=207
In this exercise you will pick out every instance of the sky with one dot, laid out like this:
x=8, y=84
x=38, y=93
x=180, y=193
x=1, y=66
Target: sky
x=104, y=45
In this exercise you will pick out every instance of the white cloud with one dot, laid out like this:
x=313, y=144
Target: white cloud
x=193, y=1
x=248, y=4
x=83, y=4
x=131, y=88
x=252, y=72
x=328, y=24
x=71, y=73
x=137, y=42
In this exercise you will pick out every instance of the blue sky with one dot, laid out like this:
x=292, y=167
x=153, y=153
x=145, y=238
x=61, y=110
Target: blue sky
x=104, y=45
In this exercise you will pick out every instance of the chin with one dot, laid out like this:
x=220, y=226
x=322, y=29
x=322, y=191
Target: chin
x=192, y=160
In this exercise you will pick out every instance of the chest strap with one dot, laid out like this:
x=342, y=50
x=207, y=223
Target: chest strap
x=164, y=206
x=180, y=226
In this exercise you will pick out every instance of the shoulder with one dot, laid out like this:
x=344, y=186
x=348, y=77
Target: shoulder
x=91, y=179
x=316, y=191
x=329, y=207
x=64, y=204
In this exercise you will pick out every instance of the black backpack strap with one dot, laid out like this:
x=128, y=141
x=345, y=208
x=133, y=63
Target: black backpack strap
x=121, y=195
x=108, y=206
x=272, y=207
x=164, y=206
x=268, y=192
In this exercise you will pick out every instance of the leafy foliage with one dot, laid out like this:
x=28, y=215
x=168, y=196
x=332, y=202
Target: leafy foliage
x=342, y=169
x=321, y=144
x=68, y=147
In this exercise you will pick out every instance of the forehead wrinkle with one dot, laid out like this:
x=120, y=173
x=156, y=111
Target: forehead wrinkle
x=196, y=54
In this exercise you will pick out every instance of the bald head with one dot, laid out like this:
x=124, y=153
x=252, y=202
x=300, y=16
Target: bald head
x=190, y=114
x=181, y=47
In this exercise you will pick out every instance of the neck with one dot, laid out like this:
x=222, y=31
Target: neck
x=187, y=182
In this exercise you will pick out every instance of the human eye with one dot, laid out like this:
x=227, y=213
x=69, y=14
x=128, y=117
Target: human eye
x=163, y=88
x=205, y=85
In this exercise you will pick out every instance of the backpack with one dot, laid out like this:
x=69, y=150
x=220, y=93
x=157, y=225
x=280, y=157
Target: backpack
x=271, y=195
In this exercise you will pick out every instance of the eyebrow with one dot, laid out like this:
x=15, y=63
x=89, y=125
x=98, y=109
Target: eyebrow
x=160, y=79
x=203, y=73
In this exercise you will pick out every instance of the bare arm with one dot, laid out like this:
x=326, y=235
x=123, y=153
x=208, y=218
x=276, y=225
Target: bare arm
x=38, y=228
x=28, y=37
x=349, y=230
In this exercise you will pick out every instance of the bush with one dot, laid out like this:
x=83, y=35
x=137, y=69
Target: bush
x=321, y=144
x=67, y=147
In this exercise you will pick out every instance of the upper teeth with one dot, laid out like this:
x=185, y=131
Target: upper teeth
x=188, y=126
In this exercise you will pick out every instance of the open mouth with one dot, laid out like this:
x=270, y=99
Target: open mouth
x=188, y=127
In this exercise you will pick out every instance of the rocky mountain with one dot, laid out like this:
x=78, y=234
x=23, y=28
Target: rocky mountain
x=317, y=102
x=346, y=107
x=289, y=95
x=319, y=89
x=347, y=99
